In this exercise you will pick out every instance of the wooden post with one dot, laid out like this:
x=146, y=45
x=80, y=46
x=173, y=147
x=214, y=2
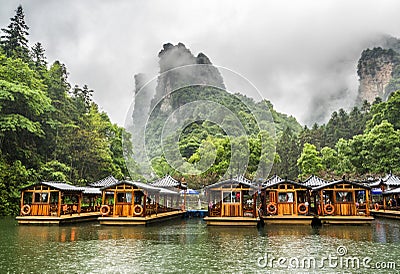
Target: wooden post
x=367, y=202
x=222, y=203
x=241, y=203
x=354, y=202
x=294, y=207
x=184, y=200
x=80, y=199
x=255, y=204
x=384, y=202
x=321, y=202
x=144, y=204
x=103, y=197
x=115, y=202
x=22, y=200
x=133, y=202
x=59, y=204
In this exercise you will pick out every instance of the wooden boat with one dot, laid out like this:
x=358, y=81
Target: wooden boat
x=385, y=195
x=232, y=202
x=343, y=202
x=285, y=202
x=138, y=203
x=387, y=204
x=57, y=203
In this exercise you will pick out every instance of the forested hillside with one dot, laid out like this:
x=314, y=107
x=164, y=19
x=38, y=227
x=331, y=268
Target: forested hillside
x=49, y=130
x=224, y=134
x=363, y=143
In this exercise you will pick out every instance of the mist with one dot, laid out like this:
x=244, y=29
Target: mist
x=302, y=56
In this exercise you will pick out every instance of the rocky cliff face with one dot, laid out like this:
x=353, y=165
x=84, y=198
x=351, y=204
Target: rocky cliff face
x=169, y=80
x=375, y=70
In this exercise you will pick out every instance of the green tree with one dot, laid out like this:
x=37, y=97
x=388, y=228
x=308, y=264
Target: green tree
x=387, y=111
x=310, y=161
x=12, y=177
x=344, y=153
x=288, y=151
x=14, y=41
x=39, y=59
x=23, y=104
x=329, y=159
x=382, y=148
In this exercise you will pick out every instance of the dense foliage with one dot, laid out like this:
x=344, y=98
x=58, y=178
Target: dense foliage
x=48, y=130
x=369, y=146
x=250, y=150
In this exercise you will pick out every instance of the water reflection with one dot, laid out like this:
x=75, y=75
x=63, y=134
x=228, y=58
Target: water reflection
x=182, y=246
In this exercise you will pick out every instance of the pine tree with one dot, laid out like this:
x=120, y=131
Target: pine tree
x=39, y=59
x=14, y=41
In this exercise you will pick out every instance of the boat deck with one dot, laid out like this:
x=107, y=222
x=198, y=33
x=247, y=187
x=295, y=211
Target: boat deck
x=231, y=221
x=346, y=220
x=391, y=214
x=63, y=219
x=160, y=217
x=325, y=220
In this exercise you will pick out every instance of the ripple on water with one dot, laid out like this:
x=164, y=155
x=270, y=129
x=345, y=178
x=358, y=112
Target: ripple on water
x=183, y=247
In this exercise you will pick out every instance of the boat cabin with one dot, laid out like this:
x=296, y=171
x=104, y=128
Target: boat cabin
x=392, y=199
x=169, y=188
x=343, y=198
x=384, y=192
x=314, y=181
x=285, y=197
x=56, y=199
x=235, y=197
x=136, y=199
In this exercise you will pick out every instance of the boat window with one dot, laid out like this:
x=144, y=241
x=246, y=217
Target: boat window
x=41, y=197
x=231, y=197
x=28, y=198
x=54, y=198
x=138, y=197
x=342, y=197
x=128, y=197
x=124, y=197
x=285, y=197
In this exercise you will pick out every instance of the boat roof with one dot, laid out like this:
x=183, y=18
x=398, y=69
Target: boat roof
x=236, y=181
x=137, y=184
x=392, y=191
x=286, y=181
x=109, y=180
x=91, y=190
x=166, y=181
x=62, y=186
x=388, y=180
x=342, y=181
x=274, y=179
x=168, y=191
x=315, y=181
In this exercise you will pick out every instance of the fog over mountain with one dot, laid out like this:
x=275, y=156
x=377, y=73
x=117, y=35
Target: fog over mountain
x=301, y=55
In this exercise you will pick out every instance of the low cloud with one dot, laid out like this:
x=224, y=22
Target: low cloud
x=301, y=55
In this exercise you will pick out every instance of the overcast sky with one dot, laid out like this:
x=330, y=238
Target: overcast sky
x=301, y=55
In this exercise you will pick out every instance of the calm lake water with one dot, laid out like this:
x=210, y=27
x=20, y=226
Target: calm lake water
x=189, y=246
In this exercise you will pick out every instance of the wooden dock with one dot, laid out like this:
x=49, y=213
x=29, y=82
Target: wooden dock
x=287, y=220
x=325, y=220
x=161, y=217
x=346, y=220
x=390, y=214
x=54, y=220
x=231, y=221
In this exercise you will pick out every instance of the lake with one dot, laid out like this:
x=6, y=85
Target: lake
x=189, y=246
